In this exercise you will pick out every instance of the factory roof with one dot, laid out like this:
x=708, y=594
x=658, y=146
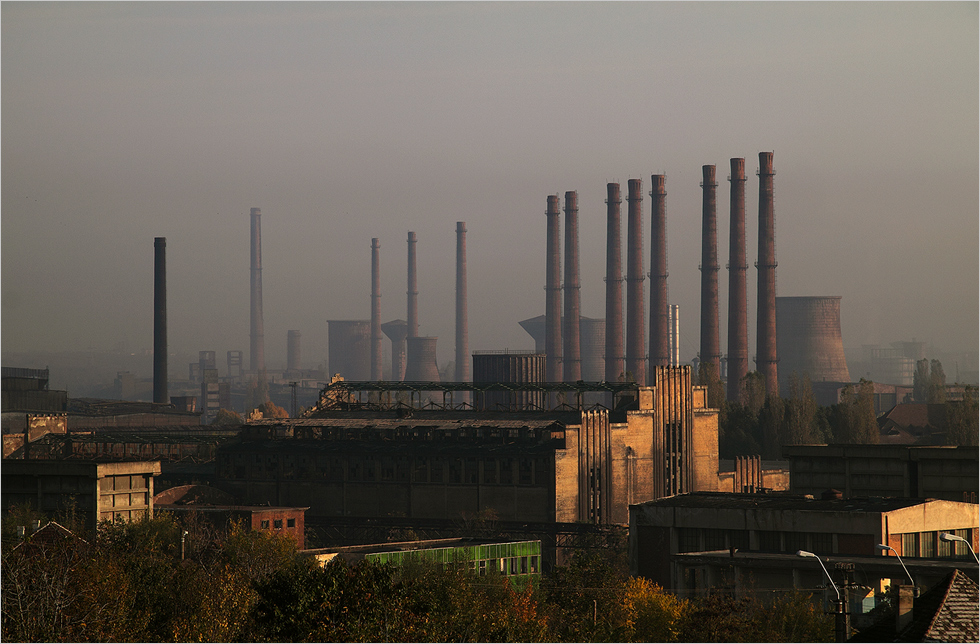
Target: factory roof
x=777, y=502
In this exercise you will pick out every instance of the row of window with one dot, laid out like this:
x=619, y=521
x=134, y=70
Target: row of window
x=506, y=565
x=403, y=469
x=277, y=524
x=929, y=544
x=707, y=539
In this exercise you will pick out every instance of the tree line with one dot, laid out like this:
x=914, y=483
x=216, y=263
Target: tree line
x=757, y=423
x=134, y=582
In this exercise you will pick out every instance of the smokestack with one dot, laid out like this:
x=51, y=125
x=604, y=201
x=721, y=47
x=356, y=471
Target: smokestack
x=660, y=352
x=571, y=332
x=552, y=308
x=292, y=351
x=462, y=326
x=257, y=353
x=635, y=331
x=615, y=362
x=376, y=348
x=766, y=358
x=710, y=349
x=397, y=331
x=738, y=334
x=160, y=394
x=675, y=334
x=413, y=289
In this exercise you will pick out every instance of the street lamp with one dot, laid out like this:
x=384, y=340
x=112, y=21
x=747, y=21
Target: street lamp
x=882, y=547
x=946, y=536
x=840, y=617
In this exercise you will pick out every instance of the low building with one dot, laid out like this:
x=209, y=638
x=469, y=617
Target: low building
x=518, y=560
x=290, y=522
x=951, y=473
x=95, y=491
x=692, y=542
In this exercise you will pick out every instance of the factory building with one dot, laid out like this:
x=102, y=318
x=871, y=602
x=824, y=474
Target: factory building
x=565, y=466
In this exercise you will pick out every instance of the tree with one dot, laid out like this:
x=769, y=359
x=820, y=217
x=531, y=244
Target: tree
x=227, y=417
x=753, y=391
x=270, y=409
x=920, y=381
x=963, y=419
x=801, y=412
x=937, y=384
x=649, y=613
x=708, y=376
x=853, y=419
x=771, y=421
x=738, y=430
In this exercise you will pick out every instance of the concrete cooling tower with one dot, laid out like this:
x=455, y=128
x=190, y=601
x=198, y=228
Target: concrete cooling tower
x=808, y=340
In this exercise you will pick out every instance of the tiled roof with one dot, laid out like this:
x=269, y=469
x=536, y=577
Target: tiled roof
x=946, y=613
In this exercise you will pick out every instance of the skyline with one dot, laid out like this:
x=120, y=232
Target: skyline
x=347, y=121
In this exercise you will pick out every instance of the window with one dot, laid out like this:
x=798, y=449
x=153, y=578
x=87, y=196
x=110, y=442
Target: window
x=688, y=540
x=795, y=541
x=506, y=471
x=822, y=543
x=769, y=541
x=483, y=568
x=927, y=544
x=526, y=472
x=265, y=525
x=960, y=547
x=490, y=471
x=534, y=563
x=277, y=523
x=714, y=539
x=738, y=539
x=290, y=523
x=523, y=565
x=910, y=544
x=513, y=565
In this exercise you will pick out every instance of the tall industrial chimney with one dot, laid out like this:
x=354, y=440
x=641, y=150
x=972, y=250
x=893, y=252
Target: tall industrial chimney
x=675, y=334
x=660, y=353
x=257, y=353
x=462, y=325
x=635, y=324
x=552, y=308
x=376, y=347
x=766, y=357
x=710, y=349
x=571, y=332
x=292, y=351
x=738, y=334
x=413, y=289
x=160, y=394
x=615, y=361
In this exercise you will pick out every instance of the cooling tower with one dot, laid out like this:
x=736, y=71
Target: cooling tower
x=552, y=308
x=292, y=351
x=160, y=393
x=738, y=334
x=710, y=348
x=808, y=340
x=349, y=346
x=571, y=321
x=376, y=347
x=535, y=328
x=615, y=360
x=462, y=326
x=766, y=354
x=397, y=331
x=659, y=308
x=636, y=363
x=421, y=364
x=511, y=367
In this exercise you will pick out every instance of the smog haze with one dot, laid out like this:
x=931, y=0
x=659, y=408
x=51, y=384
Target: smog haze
x=345, y=121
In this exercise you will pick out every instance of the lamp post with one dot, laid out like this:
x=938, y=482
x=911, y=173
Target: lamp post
x=946, y=536
x=882, y=547
x=183, y=536
x=840, y=616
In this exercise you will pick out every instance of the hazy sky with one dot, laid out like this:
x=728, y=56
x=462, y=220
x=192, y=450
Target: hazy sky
x=346, y=121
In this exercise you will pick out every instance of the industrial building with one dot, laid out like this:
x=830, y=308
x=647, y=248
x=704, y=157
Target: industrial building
x=885, y=470
x=96, y=491
x=693, y=542
x=563, y=466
